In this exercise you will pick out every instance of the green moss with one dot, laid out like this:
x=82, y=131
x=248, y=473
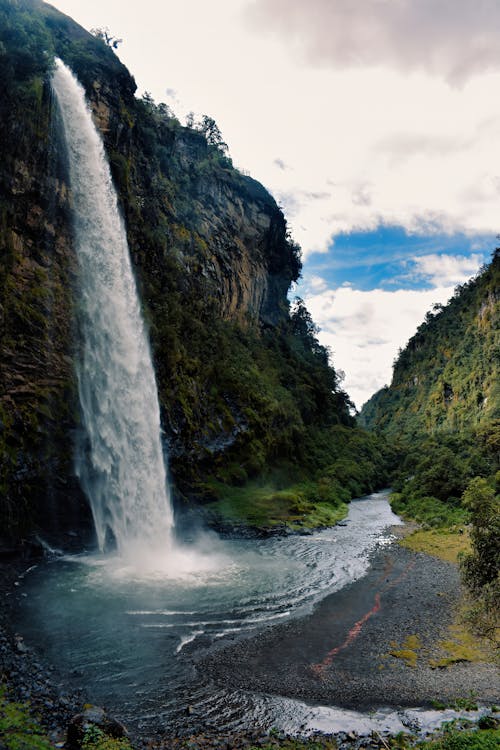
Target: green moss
x=447, y=544
x=19, y=730
x=95, y=739
x=462, y=645
x=407, y=651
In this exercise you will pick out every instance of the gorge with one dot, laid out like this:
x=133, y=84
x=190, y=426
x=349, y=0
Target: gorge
x=157, y=384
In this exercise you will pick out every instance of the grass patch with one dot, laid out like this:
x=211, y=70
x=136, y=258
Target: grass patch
x=447, y=544
x=429, y=511
x=95, y=739
x=462, y=645
x=18, y=729
x=262, y=505
x=463, y=704
x=289, y=743
x=464, y=739
x=407, y=651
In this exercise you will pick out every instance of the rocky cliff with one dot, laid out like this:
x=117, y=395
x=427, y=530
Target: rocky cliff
x=244, y=385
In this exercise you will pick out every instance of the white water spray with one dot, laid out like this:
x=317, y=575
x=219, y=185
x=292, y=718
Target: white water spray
x=122, y=469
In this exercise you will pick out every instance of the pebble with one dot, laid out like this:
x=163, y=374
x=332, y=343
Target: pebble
x=29, y=677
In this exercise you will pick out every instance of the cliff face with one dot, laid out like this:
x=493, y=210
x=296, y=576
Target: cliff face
x=243, y=384
x=36, y=267
x=218, y=223
x=446, y=379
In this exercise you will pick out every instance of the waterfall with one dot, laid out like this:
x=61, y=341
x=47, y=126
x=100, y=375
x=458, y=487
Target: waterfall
x=120, y=463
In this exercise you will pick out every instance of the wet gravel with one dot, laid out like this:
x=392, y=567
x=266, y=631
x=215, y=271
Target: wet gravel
x=340, y=654
x=24, y=673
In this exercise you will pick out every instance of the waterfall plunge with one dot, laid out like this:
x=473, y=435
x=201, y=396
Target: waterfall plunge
x=121, y=468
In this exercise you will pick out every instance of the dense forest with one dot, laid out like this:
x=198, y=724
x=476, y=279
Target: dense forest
x=442, y=408
x=248, y=396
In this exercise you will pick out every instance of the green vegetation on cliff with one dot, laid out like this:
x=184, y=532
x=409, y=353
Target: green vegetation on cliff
x=36, y=378
x=247, y=394
x=446, y=378
x=443, y=405
x=443, y=412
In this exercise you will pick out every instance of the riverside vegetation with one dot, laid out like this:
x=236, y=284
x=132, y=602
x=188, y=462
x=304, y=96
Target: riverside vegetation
x=257, y=425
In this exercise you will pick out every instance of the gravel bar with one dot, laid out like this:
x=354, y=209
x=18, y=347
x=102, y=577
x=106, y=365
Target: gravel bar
x=340, y=654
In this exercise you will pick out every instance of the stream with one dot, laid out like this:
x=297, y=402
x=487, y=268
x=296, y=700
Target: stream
x=129, y=633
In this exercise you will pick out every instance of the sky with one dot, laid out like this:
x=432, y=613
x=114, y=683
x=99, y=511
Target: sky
x=374, y=123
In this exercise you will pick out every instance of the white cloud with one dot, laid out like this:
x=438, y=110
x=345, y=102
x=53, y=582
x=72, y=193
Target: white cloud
x=452, y=38
x=365, y=329
x=403, y=146
x=446, y=270
x=317, y=284
x=379, y=144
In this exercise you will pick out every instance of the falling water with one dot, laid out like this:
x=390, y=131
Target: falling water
x=121, y=466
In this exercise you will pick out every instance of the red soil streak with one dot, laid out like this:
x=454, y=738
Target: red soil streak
x=403, y=574
x=319, y=669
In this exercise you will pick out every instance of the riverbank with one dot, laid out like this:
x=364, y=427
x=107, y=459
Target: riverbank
x=375, y=643
x=25, y=674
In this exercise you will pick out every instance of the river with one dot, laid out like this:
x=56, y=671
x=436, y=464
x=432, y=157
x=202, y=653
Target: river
x=129, y=633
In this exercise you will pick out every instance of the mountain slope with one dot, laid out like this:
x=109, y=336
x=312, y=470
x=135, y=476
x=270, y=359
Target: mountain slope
x=446, y=378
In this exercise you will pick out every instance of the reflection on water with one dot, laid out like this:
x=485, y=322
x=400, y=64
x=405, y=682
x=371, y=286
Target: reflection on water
x=127, y=629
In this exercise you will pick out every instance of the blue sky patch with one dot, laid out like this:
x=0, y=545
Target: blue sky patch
x=384, y=258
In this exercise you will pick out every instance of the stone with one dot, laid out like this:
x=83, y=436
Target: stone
x=92, y=716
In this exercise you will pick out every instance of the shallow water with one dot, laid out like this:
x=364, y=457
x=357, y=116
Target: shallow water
x=128, y=630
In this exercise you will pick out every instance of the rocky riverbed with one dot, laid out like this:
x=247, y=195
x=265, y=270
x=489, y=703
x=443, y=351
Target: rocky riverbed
x=26, y=675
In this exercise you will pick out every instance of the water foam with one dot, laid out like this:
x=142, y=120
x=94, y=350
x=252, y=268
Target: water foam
x=120, y=460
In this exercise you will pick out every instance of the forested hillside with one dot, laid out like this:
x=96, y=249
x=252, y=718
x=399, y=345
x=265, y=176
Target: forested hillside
x=442, y=410
x=443, y=406
x=446, y=378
